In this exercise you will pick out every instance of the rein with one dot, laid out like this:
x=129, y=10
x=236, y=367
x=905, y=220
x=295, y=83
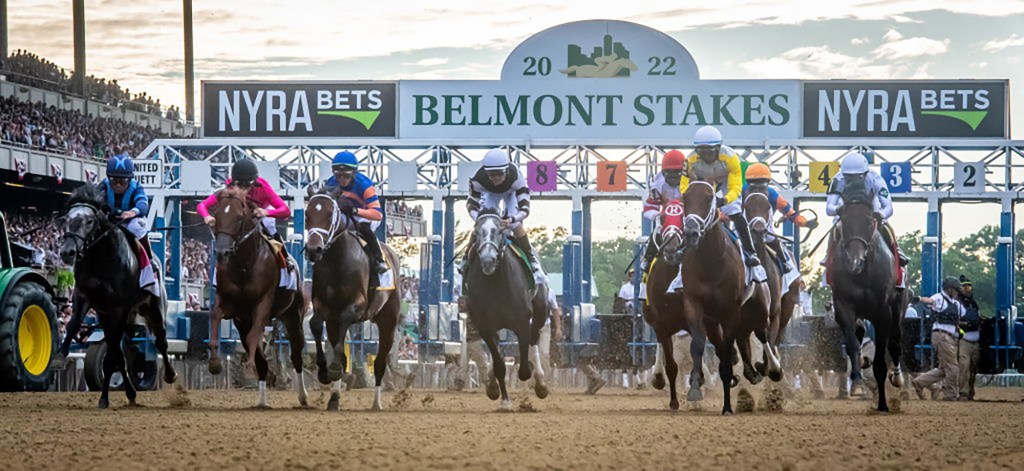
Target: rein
x=236, y=241
x=711, y=218
x=88, y=244
x=328, y=236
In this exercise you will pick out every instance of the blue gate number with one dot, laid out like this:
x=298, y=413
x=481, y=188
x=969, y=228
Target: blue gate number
x=896, y=176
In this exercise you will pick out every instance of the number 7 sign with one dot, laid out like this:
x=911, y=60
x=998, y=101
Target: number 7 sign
x=611, y=176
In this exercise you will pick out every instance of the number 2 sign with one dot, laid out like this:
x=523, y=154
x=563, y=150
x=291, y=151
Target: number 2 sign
x=969, y=177
x=542, y=175
x=611, y=176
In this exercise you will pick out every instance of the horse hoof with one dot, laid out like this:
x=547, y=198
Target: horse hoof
x=332, y=403
x=215, y=366
x=694, y=395
x=492, y=391
x=104, y=403
x=752, y=375
x=506, y=405
x=726, y=412
x=321, y=375
x=857, y=390
x=673, y=404
x=377, y=407
x=658, y=382
x=541, y=390
x=170, y=376
x=775, y=376
x=896, y=379
x=335, y=374
x=760, y=367
x=883, y=409
x=734, y=381
x=525, y=372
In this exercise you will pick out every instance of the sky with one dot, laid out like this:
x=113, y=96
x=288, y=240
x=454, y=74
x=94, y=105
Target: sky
x=140, y=44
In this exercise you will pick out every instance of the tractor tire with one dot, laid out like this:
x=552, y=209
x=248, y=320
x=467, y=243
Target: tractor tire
x=93, y=372
x=144, y=373
x=28, y=338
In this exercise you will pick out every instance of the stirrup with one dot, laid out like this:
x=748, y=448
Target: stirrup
x=380, y=267
x=752, y=260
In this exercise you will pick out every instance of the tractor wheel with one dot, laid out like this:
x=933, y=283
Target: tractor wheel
x=145, y=373
x=28, y=338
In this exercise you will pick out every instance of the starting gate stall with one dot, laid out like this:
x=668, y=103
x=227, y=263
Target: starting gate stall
x=586, y=111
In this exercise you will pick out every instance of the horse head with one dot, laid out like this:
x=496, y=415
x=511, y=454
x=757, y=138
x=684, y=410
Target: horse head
x=235, y=222
x=327, y=217
x=86, y=219
x=490, y=241
x=758, y=211
x=671, y=235
x=859, y=228
x=702, y=211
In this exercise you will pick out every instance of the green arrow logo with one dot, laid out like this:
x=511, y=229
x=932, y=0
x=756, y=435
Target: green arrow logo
x=971, y=118
x=366, y=118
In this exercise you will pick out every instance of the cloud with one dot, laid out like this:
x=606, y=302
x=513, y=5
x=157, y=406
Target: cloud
x=979, y=65
x=911, y=47
x=429, y=62
x=892, y=35
x=997, y=45
x=816, y=62
x=860, y=41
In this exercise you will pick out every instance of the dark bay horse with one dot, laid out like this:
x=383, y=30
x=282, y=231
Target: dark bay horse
x=107, y=280
x=248, y=274
x=664, y=312
x=341, y=293
x=498, y=297
x=864, y=287
x=758, y=210
x=715, y=287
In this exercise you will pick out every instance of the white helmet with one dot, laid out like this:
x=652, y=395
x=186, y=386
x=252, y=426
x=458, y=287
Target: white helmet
x=854, y=163
x=496, y=159
x=707, y=136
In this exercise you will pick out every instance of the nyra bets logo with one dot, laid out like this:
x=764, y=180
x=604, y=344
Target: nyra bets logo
x=299, y=109
x=955, y=109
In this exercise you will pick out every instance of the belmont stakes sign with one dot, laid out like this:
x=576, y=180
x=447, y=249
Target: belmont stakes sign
x=606, y=81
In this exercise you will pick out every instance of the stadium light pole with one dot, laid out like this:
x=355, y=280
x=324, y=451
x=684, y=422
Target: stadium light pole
x=78, y=12
x=3, y=29
x=189, y=72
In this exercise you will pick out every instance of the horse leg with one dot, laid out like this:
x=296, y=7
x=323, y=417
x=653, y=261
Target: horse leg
x=336, y=337
x=698, y=341
x=216, y=315
x=254, y=334
x=334, y=402
x=770, y=356
x=525, y=351
x=497, y=370
x=879, y=366
x=658, y=381
x=386, y=324
x=671, y=369
x=845, y=318
x=895, y=351
x=153, y=313
x=316, y=329
x=297, y=342
x=261, y=371
x=743, y=345
x=725, y=372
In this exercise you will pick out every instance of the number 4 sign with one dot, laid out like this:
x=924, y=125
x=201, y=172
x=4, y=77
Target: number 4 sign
x=821, y=175
x=896, y=176
x=611, y=176
x=542, y=175
x=969, y=177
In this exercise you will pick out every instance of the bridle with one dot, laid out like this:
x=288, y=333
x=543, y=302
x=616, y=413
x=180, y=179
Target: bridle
x=867, y=244
x=711, y=218
x=670, y=232
x=481, y=243
x=87, y=242
x=235, y=240
x=328, y=236
x=751, y=221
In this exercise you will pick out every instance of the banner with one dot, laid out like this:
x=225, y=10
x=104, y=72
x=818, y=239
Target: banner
x=299, y=109
x=22, y=166
x=57, y=170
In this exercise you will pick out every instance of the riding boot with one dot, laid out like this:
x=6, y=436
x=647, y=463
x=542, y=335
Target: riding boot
x=649, y=253
x=147, y=246
x=748, y=244
x=887, y=236
x=524, y=244
x=776, y=245
x=377, y=265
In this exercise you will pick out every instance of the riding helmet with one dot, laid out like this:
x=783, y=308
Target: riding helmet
x=707, y=136
x=244, y=170
x=853, y=164
x=120, y=166
x=952, y=283
x=345, y=159
x=496, y=159
x=673, y=160
x=758, y=171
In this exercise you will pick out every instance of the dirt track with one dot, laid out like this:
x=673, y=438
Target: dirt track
x=438, y=430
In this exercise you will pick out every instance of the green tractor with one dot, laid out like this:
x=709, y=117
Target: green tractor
x=28, y=323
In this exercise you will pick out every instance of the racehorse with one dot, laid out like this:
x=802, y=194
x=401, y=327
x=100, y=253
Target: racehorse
x=758, y=211
x=715, y=287
x=107, y=280
x=342, y=295
x=663, y=310
x=498, y=296
x=863, y=280
x=248, y=274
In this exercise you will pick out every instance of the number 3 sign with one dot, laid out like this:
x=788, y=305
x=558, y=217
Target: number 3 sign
x=611, y=176
x=542, y=175
x=896, y=176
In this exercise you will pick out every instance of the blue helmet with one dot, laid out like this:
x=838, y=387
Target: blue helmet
x=345, y=159
x=120, y=166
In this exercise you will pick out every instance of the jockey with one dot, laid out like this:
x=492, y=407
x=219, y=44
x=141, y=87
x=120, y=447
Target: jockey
x=720, y=165
x=359, y=190
x=126, y=198
x=664, y=187
x=758, y=176
x=499, y=181
x=269, y=206
x=855, y=169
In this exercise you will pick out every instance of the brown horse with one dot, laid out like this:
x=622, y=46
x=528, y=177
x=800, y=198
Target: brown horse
x=247, y=276
x=758, y=211
x=341, y=293
x=714, y=284
x=663, y=310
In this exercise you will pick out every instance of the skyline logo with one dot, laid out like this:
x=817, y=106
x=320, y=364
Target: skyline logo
x=610, y=60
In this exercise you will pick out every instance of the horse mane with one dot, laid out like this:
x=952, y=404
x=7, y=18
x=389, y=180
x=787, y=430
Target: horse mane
x=489, y=211
x=237, y=192
x=88, y=194
x=856, y=192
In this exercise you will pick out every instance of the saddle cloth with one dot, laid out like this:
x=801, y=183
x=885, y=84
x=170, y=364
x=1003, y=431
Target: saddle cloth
x=147, y=271
x=750, y=275
x=787, y=277
x=386, y=280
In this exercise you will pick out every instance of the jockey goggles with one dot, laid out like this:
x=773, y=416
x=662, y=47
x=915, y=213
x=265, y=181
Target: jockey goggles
x=708, y=153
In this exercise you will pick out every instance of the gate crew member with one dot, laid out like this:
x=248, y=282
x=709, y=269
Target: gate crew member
x=969, y=354
x=945, y=337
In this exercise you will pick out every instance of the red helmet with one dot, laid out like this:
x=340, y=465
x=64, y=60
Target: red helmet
x=673, y=160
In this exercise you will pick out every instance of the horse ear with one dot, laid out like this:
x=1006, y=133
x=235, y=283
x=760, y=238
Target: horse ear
x=310, y=190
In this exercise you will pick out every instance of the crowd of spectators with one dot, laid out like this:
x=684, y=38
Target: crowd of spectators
x=49, y=128
x=44, y=239
x=400, y=209
x=410, y=288
x=195, y=259
x=30, y=69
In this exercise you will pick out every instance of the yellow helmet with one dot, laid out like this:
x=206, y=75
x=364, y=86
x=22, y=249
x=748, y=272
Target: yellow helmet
x=759, y=171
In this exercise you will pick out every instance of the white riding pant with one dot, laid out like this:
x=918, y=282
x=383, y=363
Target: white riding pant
x=270, y=224
x=138, y=227
x=511, y=205
x=734, y=208
x=373, y=224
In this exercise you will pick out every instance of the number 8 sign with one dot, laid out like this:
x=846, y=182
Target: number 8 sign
x=542, y=175
x=611, y=176
x=896, y=176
